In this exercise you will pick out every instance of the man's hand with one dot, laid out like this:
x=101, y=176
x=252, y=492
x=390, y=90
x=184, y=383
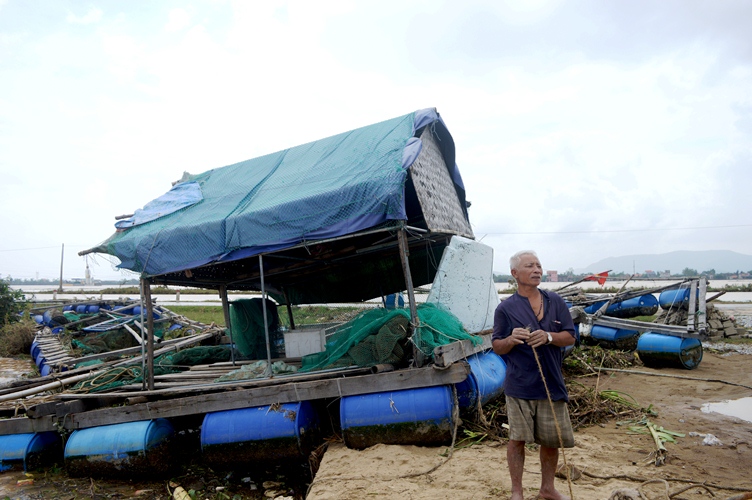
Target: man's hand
x=537, y=338
x=519, y=336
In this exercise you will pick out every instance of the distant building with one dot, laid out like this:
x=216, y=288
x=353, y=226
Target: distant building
x=553, y=276
x=666, y=274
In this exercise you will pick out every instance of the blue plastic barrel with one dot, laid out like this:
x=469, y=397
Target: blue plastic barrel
x=133, y=448
x=67, y=307
x=29, y=451
x=659, y=351
x=644, y=305
x=593, y=308
x=422, y=416
x=137, y=312
x=39, y=319
x=34, y=349
x=614, y=337
x=81, y=309
x=45, y=370
x=260, y=434
x=485, y=381
x=39, y=359
x=47, y=317
x=394, y=301
x=678, y=298
x=92, y=309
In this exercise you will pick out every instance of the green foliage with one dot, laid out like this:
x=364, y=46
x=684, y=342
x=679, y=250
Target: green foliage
x=688, y=271
x=12, y=302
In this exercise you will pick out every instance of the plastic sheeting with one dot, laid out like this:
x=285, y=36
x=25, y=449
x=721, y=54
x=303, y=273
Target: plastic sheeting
x=331, y=187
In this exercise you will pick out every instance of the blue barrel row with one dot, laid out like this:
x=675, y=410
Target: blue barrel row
x=39, y=359
x=269, y=433
x=645, y=305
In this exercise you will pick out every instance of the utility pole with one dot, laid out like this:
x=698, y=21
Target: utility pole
x=62, y=255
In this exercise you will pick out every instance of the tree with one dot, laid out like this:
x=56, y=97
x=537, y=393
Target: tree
x=709, y=272
x=689, y=272
x=11, y=303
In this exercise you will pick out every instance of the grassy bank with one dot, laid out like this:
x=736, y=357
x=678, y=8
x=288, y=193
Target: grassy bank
x=303, y=315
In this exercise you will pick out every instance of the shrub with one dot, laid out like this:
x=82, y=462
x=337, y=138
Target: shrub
x=16, y=338
x=12, y=302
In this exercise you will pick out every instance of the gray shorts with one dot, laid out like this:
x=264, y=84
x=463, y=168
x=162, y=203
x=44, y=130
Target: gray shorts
x=531, y=420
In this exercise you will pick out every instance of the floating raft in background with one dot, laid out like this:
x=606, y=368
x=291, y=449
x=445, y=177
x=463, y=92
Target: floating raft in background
x=644, y=305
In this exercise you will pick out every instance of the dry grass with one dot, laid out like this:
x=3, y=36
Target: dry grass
x=16, y=338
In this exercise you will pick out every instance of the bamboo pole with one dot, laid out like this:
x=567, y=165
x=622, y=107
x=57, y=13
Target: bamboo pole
x=46, y=387
x=404, y=251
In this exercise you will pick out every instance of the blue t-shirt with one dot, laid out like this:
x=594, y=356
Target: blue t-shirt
x=523, y=379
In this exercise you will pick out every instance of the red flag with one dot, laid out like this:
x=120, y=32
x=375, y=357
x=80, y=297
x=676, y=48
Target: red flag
x=600, y=278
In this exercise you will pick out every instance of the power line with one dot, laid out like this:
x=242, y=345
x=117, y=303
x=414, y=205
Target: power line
x=38, y=248
x=620, y=230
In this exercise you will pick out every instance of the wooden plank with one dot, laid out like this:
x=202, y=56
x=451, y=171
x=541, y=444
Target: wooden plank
x=286, y=393
x=445, y=355
x=702, y=316
x=692, y=307
x=136, y=336
x=23, y=425
x=641, y=326
x=226, y=386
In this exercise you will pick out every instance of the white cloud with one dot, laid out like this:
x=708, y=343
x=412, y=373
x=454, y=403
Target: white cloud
x=177, y=20
x=94, y=15
x=569, y=125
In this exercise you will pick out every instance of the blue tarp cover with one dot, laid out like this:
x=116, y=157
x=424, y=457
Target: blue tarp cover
x=331, y=187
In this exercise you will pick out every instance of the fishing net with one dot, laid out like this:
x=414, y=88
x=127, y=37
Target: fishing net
x=167, y=363
x=258, y=370
x=199, y=355
x=247, y=324
x=105, y=341
x=383, y=336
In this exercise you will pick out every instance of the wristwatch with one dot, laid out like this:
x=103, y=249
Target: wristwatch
x=550, y=338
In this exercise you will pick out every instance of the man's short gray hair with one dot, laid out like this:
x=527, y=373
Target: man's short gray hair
x=515, y=259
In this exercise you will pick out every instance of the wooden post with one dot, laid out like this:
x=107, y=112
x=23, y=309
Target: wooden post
x=226, y=311
x=62, y=255
x=266, y=322
x=289, y=309
x=691, y=317
x=702, y=317
x=150, y=335
x=418, y=357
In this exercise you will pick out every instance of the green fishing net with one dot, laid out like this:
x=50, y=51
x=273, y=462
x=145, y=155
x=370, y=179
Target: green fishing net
x=167, y=363
x=383, y=336
x=247, y=324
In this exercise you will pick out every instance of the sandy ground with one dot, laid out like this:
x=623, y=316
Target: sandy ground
x=609, y=457
x=601, y=452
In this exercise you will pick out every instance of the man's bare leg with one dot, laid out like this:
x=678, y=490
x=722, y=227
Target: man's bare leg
x=516, y=462
x=549, y=458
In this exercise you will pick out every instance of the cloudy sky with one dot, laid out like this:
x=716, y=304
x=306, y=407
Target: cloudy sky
x=584, y=129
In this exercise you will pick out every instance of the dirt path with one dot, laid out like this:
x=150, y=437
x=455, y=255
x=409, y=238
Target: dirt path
x=480, y=472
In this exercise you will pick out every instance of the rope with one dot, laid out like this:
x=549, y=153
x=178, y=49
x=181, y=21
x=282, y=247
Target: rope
x=556, y=422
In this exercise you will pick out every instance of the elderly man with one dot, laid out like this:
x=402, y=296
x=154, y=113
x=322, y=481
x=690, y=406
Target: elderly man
x=530, y=328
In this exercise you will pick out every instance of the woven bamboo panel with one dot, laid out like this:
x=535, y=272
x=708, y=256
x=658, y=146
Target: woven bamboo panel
x=436, y=194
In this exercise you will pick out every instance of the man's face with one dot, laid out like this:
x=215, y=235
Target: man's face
x=529, y=271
